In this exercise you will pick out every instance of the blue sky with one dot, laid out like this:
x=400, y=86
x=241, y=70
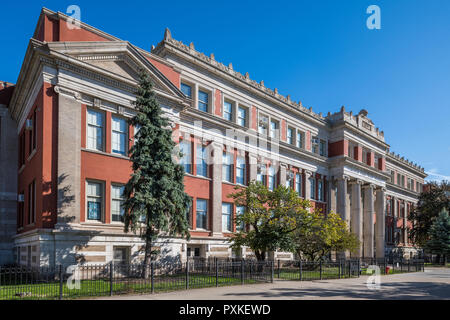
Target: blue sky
x=319, y=52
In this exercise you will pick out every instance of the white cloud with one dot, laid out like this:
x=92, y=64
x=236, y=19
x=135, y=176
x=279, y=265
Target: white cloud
x=434, y=175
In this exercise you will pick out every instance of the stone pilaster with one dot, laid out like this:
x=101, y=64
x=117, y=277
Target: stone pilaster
x=216, y=196
x=69, y=160
x=380, y=208
x=283, y=174
x=308, y=175
x=357, y=214
x=332, y=194
x=368, y=221
x=342, y=207
x=253, y=167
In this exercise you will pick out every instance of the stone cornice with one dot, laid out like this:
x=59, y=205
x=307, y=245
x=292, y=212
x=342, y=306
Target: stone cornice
x=404, y=163
x=344, y=160
x=211, y=64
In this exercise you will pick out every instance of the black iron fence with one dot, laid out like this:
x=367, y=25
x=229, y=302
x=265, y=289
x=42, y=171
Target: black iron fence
x=321, y=270
x=110, y=279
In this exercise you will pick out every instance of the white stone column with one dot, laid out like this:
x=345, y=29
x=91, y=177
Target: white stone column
x=368, y=221
x=357, y=214
x=282, y=174
x=253, y=167
x=332, y=193
x=380, y=208
x=405, y=224
x=308, y=175
x=342, y=199
x=216, y=194
x=343, y=208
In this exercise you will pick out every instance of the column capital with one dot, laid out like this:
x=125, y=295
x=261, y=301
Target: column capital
x=344, y=177
x=368, y=186
x=356, y=181
x=308, y=173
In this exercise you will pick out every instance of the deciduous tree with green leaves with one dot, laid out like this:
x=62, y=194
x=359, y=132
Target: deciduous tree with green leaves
x=270, y=217
x=318, y=235
x=155, y=201
x=430, y=204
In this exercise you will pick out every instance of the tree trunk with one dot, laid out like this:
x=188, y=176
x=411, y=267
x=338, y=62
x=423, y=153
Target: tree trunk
x=148, y=254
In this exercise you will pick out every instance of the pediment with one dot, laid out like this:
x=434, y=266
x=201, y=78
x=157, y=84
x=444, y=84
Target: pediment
x=119, y=64
x=119, y=58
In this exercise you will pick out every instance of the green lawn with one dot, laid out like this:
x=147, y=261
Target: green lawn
x=102, y=287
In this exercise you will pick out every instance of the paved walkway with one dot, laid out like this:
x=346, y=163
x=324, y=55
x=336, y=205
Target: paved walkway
x=434, y=283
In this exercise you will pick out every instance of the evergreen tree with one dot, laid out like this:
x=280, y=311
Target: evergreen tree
x=155, y=201
x=439, y=242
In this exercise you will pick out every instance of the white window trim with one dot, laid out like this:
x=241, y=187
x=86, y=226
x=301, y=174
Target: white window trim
x=102, y=218
x=103, y=112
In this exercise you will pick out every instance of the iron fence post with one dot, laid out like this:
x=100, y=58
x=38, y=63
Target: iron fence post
x=242, y=271
x=359, y=268
x=408, y=266
x=217, y=272
x=60, y=283
x=349, y=269
x=272, y=269
x=152, y=275
x=339, y=269
x=301, y=271
x=320, y=269
x=111, y=278
x=187, y=273
x=278, y=268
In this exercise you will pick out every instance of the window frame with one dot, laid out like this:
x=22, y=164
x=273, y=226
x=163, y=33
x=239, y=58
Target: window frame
x=231, y=112
x=228, y=167
x=102, y=202
x=185, y=84
x=207, y=103
x=103, y=129
x=230, y=216
x=126, y=134
x=121, y=199
x=238, y=115
x=205, y=214
x=189, y=164
x=203, y=165
x=243, y=169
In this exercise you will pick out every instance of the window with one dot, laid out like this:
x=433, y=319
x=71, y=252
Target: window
x=315, y=144
x=95, y=123
x=403, y=181
x=409, y=183
x=21, y=212
x=227, y=167
x=32, y=202
x=189, y=214
x=227, y=209
x=203, y=101
x=186, y=158
x=272, y=178
x=313, y=188
x=22, y=150
x=274, y=126
x=399, y=179
x=202, y=166
x=32, y=136
x=289, y=179
x=322, y=148
x=201, y=214
x=119, y=135
x=117, y=200
x=290, y=136
x=263, y=123
x=320, y=190
x=392, y=176
x=228, y=111
x=299, y=140
x=261, y=174
x=298, y=184
x=240, y=170
x=417, y=186
x=186, y=89
x=94, y=201
x=240, y=210
x=242, y=116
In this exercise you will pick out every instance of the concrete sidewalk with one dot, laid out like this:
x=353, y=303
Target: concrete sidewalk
x=434, y=283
